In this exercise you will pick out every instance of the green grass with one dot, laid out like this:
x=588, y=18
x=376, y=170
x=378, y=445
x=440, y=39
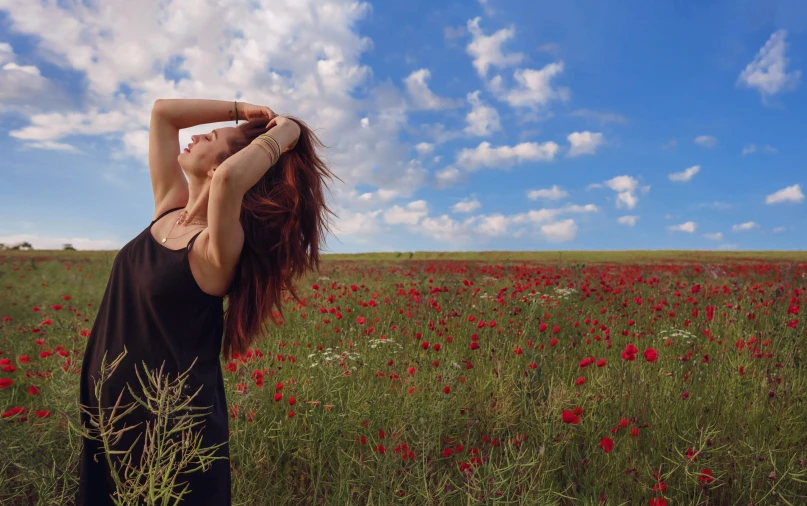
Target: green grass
x=506, y=410
x=623, y=256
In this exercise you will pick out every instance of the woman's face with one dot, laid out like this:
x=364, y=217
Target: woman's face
x=200, y=156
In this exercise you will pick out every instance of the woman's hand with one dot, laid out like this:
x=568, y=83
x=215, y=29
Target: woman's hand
x=251, y=112
x=292, y=125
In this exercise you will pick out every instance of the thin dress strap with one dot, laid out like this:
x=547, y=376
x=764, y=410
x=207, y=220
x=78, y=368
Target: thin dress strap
x=194, y=238
x=163, y=214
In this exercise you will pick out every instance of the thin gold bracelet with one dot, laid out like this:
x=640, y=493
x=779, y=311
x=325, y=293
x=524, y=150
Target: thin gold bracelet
x=268, y=143
x=279, y=151
x=265, y=137
x=268, y=151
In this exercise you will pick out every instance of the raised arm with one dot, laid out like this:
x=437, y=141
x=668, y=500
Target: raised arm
x=188, y=112
x=245, y=168
x=231, y=181
x=168, y=117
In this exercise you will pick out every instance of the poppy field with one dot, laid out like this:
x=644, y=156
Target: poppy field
x=663, y=382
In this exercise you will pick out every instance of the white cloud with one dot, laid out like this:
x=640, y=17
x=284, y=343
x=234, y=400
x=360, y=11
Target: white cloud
x=309, y=62
x=626, y=199
x=409, y=215
x=534, y=88
x=488, y=9
x=486, y=50
x=686, y=175
x=438, y=133
x=493, y=225
x=554, y=193
x=625, y=186
x=6, y=53
x=447, y=177
x=584, y=143
x=24, y=89
x=688, y=226
x=717, y=236
x=505, y=156
x=706, y=141
x=788, y=194
x=779, y=229
x=753, y=148
x=767, y=73
x=729, y=246
x=482, y=119
x=357, y=224
x=421, y=97
x=20, y=82
x=444, y=228
x=466, y=206
x=53, y=146
x=424, y=148
x=748, y=225
x=368, y=200
x=561, y=231
x=627, y=220
x=544, y=223
x=574, y=208
x=622, y=183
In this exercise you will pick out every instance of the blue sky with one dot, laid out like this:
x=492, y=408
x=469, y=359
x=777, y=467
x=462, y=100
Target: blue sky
x=477, y=125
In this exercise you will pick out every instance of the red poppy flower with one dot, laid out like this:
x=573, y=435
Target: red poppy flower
x=570, y=417
x=706, y=476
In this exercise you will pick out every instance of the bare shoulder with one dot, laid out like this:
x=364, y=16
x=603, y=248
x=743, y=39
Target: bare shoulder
x=211, y=277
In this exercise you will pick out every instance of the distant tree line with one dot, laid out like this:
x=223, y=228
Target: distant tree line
x=25, y=245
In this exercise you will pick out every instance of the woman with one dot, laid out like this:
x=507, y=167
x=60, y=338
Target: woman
x=244, y=225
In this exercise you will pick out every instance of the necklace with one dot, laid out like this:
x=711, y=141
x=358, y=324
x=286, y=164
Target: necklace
x=179, y=221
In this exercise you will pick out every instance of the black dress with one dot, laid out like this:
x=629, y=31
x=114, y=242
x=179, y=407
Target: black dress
x=153, y=305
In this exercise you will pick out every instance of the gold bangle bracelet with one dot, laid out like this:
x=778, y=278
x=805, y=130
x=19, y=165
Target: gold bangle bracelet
x=266, y=137
x=269, y=145
x=279, y=151
x=267, y=150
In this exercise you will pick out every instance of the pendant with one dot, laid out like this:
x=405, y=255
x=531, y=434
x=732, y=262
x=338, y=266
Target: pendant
x=164, y=238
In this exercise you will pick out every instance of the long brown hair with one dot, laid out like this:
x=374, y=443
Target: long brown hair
x=284, y=220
